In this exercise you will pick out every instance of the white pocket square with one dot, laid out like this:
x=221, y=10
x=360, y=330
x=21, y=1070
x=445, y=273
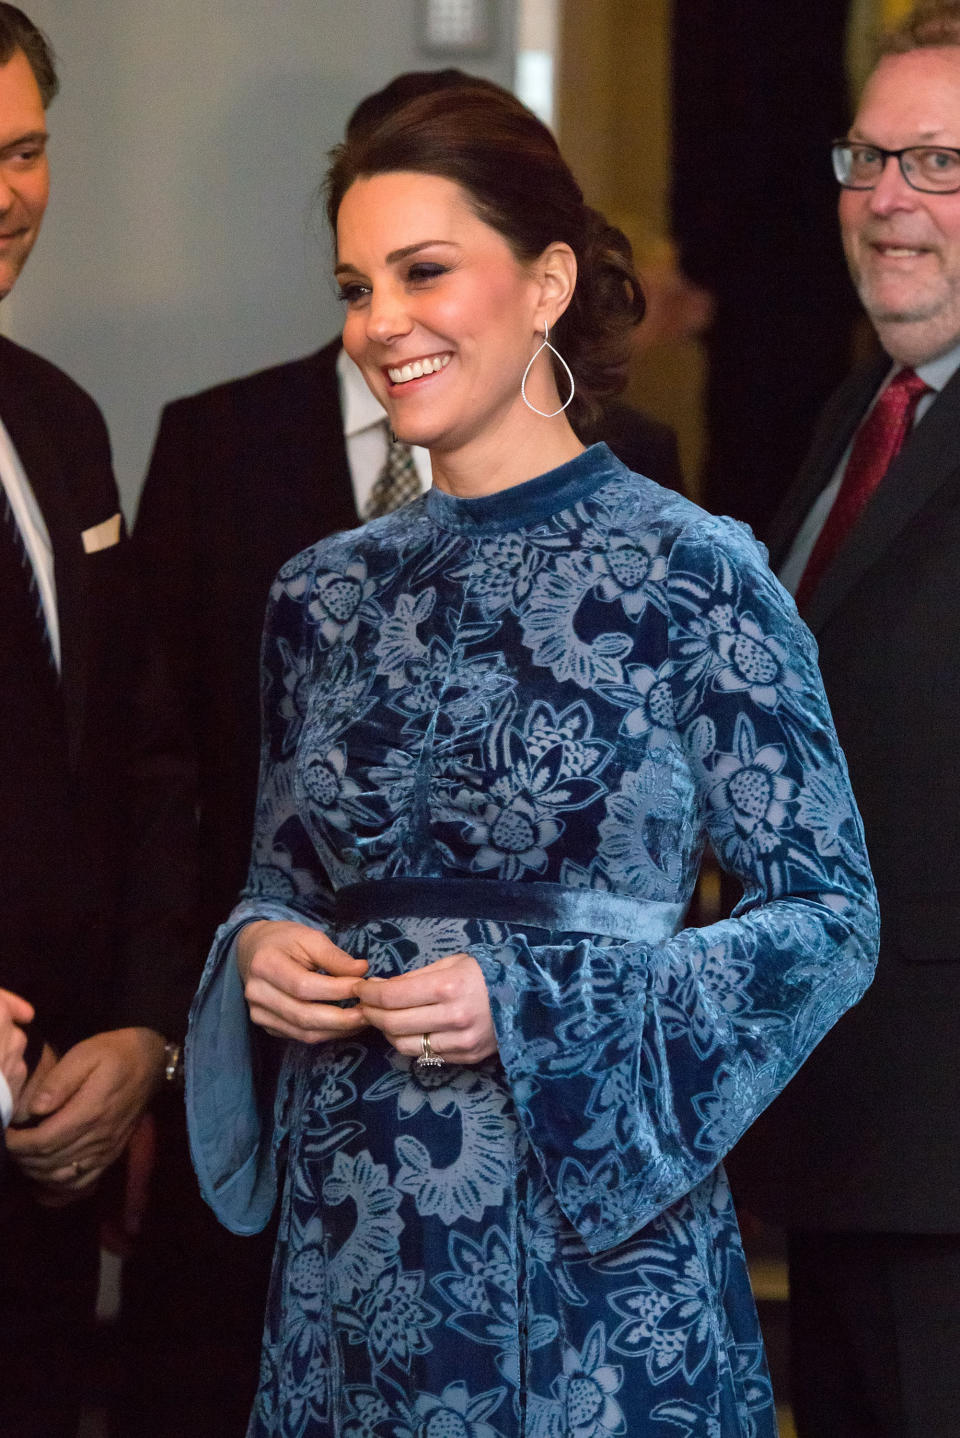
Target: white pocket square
x=101, y=536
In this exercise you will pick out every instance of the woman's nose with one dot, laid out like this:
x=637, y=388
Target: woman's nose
x=387, y=315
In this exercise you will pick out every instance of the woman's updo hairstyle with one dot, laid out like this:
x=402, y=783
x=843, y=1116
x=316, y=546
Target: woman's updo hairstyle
x=484, y=140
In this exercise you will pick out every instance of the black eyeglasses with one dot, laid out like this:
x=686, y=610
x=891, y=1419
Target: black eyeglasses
x=933, y=169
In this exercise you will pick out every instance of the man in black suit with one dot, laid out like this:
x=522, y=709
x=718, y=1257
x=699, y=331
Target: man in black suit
x=242, y=477
x=94, y=860
x=860, y=1157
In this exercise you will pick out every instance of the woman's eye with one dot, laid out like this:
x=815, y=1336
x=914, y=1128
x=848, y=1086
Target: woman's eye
x=422, y=273
x=353, y=293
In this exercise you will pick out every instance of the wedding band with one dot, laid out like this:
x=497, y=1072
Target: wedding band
x=428, y=1059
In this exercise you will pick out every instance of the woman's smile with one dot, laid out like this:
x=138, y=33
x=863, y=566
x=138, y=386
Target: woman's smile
x=417, y=369
x=441, y=317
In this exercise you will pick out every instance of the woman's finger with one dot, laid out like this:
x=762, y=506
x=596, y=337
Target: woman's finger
x=307, y=1021
x=453, y=1047
x=319, y=1032
x=282, y=975
x=439, y=982
x=399, y=1024
x=272, y=941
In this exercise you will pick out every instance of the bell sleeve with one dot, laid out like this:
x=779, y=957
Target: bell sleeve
x=636, y=1066
x=237, y=1091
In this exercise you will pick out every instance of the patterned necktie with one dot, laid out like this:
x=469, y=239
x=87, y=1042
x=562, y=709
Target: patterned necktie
x=396, y=484
x=879, y=440
x=19, y=577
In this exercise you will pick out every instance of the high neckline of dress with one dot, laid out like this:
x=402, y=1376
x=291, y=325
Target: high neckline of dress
x=528, y=503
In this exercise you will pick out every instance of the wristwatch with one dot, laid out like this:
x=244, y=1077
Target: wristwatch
x=173, y=1064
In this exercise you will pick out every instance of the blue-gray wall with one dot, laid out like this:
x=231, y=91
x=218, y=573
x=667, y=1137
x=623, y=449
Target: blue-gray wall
x=180, y=247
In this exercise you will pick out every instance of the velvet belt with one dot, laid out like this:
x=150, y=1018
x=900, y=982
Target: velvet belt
x=557, y=907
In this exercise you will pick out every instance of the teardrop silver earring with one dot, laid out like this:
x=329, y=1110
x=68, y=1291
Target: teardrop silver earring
x=546, y=345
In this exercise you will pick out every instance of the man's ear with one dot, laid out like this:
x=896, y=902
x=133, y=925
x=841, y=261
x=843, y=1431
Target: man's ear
x=556, y=270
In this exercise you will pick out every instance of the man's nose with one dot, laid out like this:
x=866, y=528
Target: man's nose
x=891, y=192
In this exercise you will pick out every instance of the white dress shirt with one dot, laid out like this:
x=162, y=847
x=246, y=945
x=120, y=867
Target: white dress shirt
x=936, y=374
x=367, y=433
x=6, y=1101
x=36, y=538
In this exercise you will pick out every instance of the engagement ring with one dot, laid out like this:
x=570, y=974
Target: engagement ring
x=428, y=1059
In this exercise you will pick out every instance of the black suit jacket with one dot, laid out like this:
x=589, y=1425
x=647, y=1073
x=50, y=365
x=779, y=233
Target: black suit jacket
x=96, y=868
x=867, y=1136
x=242, y=477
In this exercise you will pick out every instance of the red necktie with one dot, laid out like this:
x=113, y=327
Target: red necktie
x=878, y=442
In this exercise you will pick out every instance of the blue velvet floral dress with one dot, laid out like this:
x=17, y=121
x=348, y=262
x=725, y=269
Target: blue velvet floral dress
x=506, y=726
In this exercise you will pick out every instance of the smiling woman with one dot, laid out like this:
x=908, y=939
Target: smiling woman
x=505, y=173
x=500, y=725
x=441, y=326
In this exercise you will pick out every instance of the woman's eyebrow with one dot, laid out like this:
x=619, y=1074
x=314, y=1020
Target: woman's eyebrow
x=395, y=255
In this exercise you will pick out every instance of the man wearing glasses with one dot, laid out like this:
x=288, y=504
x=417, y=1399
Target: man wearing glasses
x=860, y=1158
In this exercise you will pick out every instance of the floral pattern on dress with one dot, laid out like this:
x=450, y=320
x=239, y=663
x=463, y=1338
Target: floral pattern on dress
x=574, y=684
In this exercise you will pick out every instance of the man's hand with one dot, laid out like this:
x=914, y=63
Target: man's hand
x=447, y=1000
x=294, y=979
x=14, y=1011
x=87, y=1104
x=46, y=1062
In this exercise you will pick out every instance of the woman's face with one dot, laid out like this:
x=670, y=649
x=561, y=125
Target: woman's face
x=440, y=316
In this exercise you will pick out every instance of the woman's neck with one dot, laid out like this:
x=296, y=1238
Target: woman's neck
x=491, y=462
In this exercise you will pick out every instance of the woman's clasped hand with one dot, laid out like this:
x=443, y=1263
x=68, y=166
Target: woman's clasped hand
x=299, y=985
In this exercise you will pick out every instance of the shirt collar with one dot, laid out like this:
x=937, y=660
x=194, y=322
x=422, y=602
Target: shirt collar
x=359, y=409
x=938, y=372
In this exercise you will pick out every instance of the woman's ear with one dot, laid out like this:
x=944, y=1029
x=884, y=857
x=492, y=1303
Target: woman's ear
x=556, y=271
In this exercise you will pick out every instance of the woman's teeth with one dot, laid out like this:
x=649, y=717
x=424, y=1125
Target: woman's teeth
x=418, y=369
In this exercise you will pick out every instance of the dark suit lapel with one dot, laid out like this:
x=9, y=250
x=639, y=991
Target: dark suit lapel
x=321, y=446
x=926, y=461
x=21, y=415
x=834, y=430
x=296, y=413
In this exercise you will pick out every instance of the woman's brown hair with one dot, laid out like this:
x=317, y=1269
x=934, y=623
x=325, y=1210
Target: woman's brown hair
x=508, y=164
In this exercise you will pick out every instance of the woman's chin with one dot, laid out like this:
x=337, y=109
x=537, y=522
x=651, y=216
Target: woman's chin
x=420, y=431
x=412, y=435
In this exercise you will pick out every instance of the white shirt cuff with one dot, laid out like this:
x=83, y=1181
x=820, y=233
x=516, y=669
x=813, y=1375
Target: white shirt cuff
x=6, y=1101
